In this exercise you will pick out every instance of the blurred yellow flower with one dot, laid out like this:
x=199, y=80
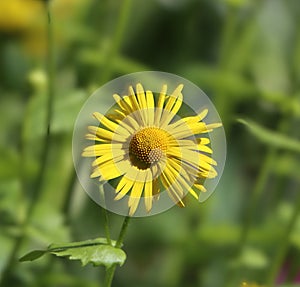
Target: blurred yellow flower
x=246, y=284
x=147, y=148
x=19, y=15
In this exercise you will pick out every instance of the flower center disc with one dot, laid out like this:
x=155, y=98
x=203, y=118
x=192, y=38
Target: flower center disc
x=147, y=146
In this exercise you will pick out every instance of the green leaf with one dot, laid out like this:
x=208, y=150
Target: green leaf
x=96, y=251
x=271, y=138
x=229, y=82
x=106, y=255
x=120, y=64
x=89, y=242
x=33, y=255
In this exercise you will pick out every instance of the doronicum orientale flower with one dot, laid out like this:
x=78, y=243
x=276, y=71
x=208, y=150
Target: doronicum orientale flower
x=143, y=144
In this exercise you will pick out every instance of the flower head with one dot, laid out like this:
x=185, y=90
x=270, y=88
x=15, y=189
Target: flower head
x=144, y=144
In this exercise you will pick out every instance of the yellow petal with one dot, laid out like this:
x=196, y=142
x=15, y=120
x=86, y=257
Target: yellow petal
x=197, y=118
x=150, y=100
x=111, y=125
x=172, y=106
x=94, y=138
x=200, y=187
x=120, y=115
x=193, y=193
x=213, y=126
x=194, y=129
x=171, y=192
x=136, y=192
x=131, y=122
x=183, y=128
x=129, y=105
x=178, y=166
x=132, y=173
x=182, y=177
x=124, y=187
x=100, y=149
x=141, y=96
x=148, y=195
x=101, y=133
x=207, y=159
x=124, y=123
x=155, y=189
x=150, y=104
x=172, y=178
x=116, y=156
x=204, y=148
x=160, y=105
x=208, y=173
x=96, y=173
x=106, y=122
x=203, y=141
x=188, y=143
x=162, y=97
x=191, y=170
x=142, y=103
x=180, y=131
x=122, y=104
x=174, y=96
x=112, y=169
x=185, y=155
x=132, y=99
x=137, y=112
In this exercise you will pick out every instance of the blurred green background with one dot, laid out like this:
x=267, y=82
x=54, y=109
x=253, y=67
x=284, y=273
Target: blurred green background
x=244, y=54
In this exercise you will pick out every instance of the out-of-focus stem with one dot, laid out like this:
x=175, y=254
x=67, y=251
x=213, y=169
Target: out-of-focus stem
x=45, y=150
x=257, y=192
x=278, y=261
x=116, y=40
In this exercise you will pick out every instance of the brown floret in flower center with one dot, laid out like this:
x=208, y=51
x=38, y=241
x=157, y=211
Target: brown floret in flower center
x=147, y=146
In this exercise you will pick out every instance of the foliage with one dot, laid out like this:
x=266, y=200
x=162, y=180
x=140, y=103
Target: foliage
x=244, y=54
x=97, y=251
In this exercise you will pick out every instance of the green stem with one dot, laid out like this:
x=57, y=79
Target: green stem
x=110, y=272
x=68, y=198
x=278, y=261
x=122, y=232
x=50, y=71
x=256, y=195
x=116, y=40
x=44, y=155
x=106, y=73
x=259, y=185
x=49, y=114
x=106, y=225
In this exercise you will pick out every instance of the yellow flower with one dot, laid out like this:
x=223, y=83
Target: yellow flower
x=148, y=148
x=19, y=15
